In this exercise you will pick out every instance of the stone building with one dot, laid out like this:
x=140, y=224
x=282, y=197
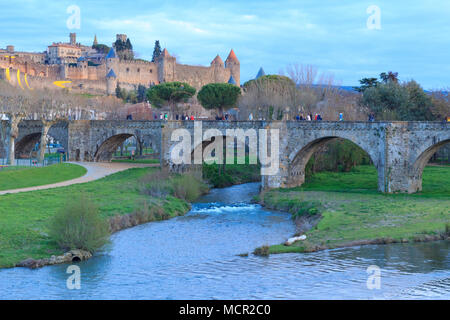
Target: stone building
x=91, y=71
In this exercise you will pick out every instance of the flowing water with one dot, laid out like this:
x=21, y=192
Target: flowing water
x=196, y=257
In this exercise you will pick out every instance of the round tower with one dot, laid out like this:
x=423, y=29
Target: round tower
x=166, y=67
x=111, y=82
x=234, y=65
x=218, y=69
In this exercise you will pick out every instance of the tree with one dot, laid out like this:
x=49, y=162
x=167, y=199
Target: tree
x=156, y=51
x=118, y=91
x=366, y=83
x=128, y=44
x=389, y=77
x=170, y=93
x=48, y=106
x=124, y=49
x=141, y=93
x=102, y=48
x=267, y=96
x=441, y=104
x=394, y=101
x=221, y=96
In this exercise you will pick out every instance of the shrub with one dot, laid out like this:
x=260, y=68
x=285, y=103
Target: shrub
x=187, y=187
x=262, y=251
x=307, y=208
x=79, y=226
x=160, y=184
x=156, y=184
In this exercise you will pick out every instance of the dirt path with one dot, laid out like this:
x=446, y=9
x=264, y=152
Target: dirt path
x=95, y=170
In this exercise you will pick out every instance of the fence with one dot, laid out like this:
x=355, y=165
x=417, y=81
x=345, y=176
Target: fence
x=34, y=162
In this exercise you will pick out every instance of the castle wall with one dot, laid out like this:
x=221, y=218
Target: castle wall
x=136, y=72
x=84, y=72
x=198, y=76
x=28, y=66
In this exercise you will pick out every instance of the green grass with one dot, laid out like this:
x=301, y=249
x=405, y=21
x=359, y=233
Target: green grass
x=146, y=161
x=363, y=179
x=234, y=173
x=24, y=217
x=353, y=210
x=23, y=177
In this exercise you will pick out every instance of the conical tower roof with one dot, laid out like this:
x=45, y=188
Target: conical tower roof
x=260, y=73
x=111, y=74
x=111, y=54
x=232, y=57
x=217, y=60
x=165, y=53
x=231, y=80
x=95, y=40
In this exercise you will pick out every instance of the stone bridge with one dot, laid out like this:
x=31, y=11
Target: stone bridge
x=398, y=150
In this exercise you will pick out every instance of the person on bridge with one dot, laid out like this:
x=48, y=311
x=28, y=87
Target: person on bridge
x=341, y=117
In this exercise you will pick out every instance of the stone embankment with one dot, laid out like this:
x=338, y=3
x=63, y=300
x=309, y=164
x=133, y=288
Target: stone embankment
x=68, y=257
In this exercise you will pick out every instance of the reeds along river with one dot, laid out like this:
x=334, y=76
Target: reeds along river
x=195, y=257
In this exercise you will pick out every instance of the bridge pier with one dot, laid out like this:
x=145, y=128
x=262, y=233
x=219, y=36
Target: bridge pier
x=398, y=150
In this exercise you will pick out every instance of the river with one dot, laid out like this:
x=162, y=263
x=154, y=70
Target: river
x=196, y=257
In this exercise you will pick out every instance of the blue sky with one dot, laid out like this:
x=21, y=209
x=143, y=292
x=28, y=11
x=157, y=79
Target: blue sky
x=329, y=34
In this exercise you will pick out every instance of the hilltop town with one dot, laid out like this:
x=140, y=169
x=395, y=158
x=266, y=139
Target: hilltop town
x=100, y=69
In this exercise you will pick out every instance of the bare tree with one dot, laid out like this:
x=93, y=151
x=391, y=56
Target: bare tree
x=50, y=107
x=15, y=105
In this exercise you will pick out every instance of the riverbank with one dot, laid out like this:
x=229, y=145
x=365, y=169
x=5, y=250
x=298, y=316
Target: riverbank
x=233, y=174
x=360, y=215
x=121, y=198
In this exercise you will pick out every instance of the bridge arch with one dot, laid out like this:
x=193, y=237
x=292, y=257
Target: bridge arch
x=300, y=156
x=106, y=149
x=25, y=145
x=419, y=164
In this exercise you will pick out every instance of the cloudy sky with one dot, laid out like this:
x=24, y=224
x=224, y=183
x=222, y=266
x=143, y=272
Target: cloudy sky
x=330, y=34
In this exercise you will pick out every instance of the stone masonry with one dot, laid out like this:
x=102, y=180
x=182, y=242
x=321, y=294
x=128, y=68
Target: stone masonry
x=399, y=150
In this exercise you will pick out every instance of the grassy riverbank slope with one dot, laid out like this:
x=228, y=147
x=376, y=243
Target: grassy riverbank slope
x=353, y=212
x=234, y=174
x=23, y=177
x=24, y=217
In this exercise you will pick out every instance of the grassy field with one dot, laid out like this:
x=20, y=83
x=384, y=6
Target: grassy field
x=22, y=177
x=24, y=217
x=352, y=209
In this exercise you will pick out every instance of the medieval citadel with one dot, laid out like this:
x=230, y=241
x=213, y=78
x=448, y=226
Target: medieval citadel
x=91, y=70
